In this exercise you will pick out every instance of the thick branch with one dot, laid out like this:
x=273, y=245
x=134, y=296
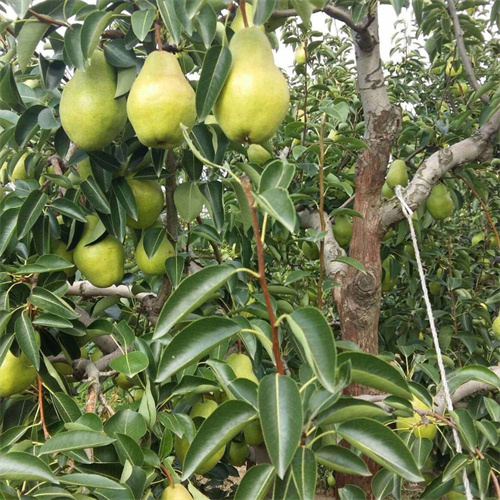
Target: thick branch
x=462, y=51
x=471, y=149
x=86, y=289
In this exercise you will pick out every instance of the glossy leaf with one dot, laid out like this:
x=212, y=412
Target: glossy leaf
x=276, y=174
x=473, y=372
x=51, y=303
x=142, y=20
x=342, y=459
x=29, y=37
x=25, y=336
x=304, y=473
x=95, y=196
x=68, y=208
x=20, y=466
x=346, y=409
x=91, y=481
x=206, y=24
x=167, y=12
x=277, y=203
x=255, y=483
x=212, y=191
x=92, y=29
x=74, y=440
x=130, y=363
x=8, y=227
x=27, y=125
x=31, y=209
x=263, y=11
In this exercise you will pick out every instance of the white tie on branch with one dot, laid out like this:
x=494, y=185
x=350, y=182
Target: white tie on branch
x=408, y=213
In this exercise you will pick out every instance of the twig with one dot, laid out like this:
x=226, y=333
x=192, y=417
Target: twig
x=45, y=184
x=159, y=42
x=321, y=210
x=245, y=183
x=416, y=152
x=48, y=20
x=485, y=208
x=113, y=34
x=46, y=433
x=169, y=476
x=243, y=9
x=104, y=403
x=462, y=50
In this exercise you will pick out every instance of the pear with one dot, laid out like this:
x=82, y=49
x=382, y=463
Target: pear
x=258, y=154
x=16, y=375
x=242, y=366
x=496, y=327
x=310, y=250
x=477, y=238
x=415, y=424
x=342, y=230
x=96, y=355
x=387, y=192
x=439, y=204
x=255, y=97
x=203, y=409
x=331, y=480
x=155, y=265
x=149, y=200
x=19, y=172
x=84, y=169
x=238, y=24
x=124, y=382
x=238, y=453
x=300, y=55
x=60, y=249
x=159, y=101
x=176, y=492
x=102, y=263
x=90, y=115
x=253, y=433
x=387, y=283
x=397, y=174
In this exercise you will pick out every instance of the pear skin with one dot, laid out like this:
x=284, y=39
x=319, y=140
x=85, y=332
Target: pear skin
x=342, y=230
x=16, y=375
x=439, y=204
x=255, y=97
x=397, y=174
x=90, y=115
x=102, y=263
x=149, y=200
x=176, y=492
x=242, y=366
x=154, y=266
x=19, y=171
x=159, y=101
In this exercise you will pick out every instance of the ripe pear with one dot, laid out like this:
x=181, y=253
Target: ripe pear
x=155, y=265
x=90, y=115
x=84, y=169
x=19, y=172
x=300, y=55
x=16, y=375
x=496, y=327
x=159, y=101
x=102, y=263
x=203, y=409
x=416, y=424
x=342, y=230
x=397, y=174
x=439, y=203
x=258, y=154
x=387, y=192
x=238, y=24
x=176, y=492
x=255, y=97
x=253, y=433
x=238, y=453
x=60, y=249
x=387, y=283
x=149, y=200
x=242, y=366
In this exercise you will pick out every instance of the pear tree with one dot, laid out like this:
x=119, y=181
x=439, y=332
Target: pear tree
x=210, y=265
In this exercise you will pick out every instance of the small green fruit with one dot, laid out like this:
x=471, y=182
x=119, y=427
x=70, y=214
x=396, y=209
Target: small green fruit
x=387, y=192
x=149, y=200
x=300, y=55
x=258, y=154
x=387, y=283
x=416, y=424
x=124, y=382
x=331, y=481
x=19, y=172
x=203, y=409
x=156, y=264
x=96, y=355
x=16, y=375
x=84, y=169
x=181, y=446
x=60, y=249
x=253, y=433
x=397, y=174
x=310, y=250
x=242, y=366
x=496, y=327
x=439, y=204
x=238, y=453
x=342, y=230
x=176, y=492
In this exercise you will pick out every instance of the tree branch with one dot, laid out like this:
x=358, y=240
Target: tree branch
x=432, y=170
x=86, y=289
x=462, y=51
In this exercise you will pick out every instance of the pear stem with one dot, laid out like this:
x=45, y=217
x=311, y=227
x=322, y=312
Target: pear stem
x=169, y=476
x=46, y=433
x=159, y=42
x=245, y=183
x=243, y=8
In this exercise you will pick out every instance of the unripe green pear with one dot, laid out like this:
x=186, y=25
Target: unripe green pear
x=416, y=424
x=459, y=89
x=125, y=382
x=160, y=100
x=176, y=492
x=255, y=97
x=333, y=135
x=203, y=409
x=135, y=395
x=59, y=248
x=300, y=55
x=19, y=172
x=16, y=375
x=238, y=453
x=453, y=68
x=397, y=174
x=310, y=250
x=155, y=265
x=90, y=115
x=242, y=366
x=258, y=154
x=102, y=263
x=253, y=433
x=331, y=481
x=387, y=283
x=149, y=200
x=84, y=169
x=439, y=203
x=238, y=23
x=342, y=230
x=496, y=327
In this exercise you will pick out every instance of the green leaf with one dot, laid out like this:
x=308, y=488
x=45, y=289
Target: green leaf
x=93, y=26
x=73, y=46
x=225, y=423
x=12, y=435
x=18, y=466
x=128, y=450
x=126, y=422
x=245, y=212
x=206, y=24
x=118, y=55
x=188, y=200
x=8, y=227
x=30, y=35
x=351, y=492
x=347, y=408
x=455, y=465
x=398, y=5
x=95, y=196
x=255, y=483
x=125, y=79
x=142, y=20
x=27, y=125
x=382, y=483
x=51, y=303
x=152, y=239
x=281, y=419
x=68, y=208
x=125, y=196
x=212, y=191
x=91, y=481
x=31, y=209
x=167, y=12
x=25, y=336
x=130, y=363
x=276, y=174
x=472, y=372
x=20, y=7
x=66, y=407
x=304, y=473
x=382, y=445
x=174, y=266
x=466, y=429
x=216, y=66
x=350, y=261
x=342, y=460
x=74, y=440
x=304, y=9
x=372, y=371
x=8, y=89
x=190, y=294
x=193, y=343
x=277, y=203
x=263, y=11
x=315, y=336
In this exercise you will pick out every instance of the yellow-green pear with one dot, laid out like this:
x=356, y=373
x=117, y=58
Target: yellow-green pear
x=19, y=172
x=333, y=135
x=416, y=424
x=238, y=453
x=90, y=115
x=387, y=283
x=331, y=480
x=155, y=265
x=453, y=68
x=477, y=238
x=176, y=492
x=135, y=395
x=59, y=248
x=459, y=89
x=342, y=230
x=387, y=192
x=16, y=375
x=102, y=263
x=253, y=433
x=84, y=169
x=149, y=200
x=124, y=382
x=397, y=174
x=258, y=154
x=439, y=204
x=159, y=101
x=300, y=55
x=242, y=366
x=203, y=409
x=310, y=250
x=255, y=97
x=496, y=327
x=238, y=24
